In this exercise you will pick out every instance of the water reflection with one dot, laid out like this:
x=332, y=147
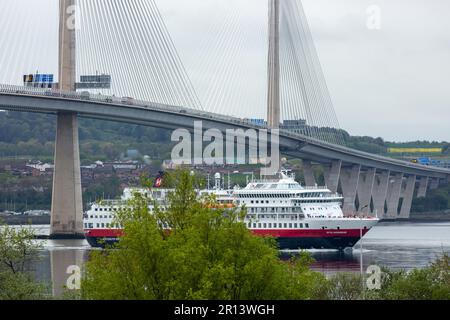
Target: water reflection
x=62, y=263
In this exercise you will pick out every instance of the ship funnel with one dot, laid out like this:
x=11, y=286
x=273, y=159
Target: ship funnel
x=218, y=181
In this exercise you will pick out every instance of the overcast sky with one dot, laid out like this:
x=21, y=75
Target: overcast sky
x=393, y=82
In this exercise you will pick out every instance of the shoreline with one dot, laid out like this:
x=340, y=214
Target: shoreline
x=25, y=220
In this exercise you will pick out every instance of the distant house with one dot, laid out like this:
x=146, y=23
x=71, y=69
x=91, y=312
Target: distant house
x=41, y=167
x=37, y=213
x=169, y=165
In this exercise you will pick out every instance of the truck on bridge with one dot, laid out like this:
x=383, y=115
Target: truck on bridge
x=427, y=161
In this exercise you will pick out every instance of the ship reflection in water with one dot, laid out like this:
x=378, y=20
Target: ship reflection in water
x=394, y=245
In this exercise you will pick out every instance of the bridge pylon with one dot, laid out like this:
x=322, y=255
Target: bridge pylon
x=67, y=203
x=273, y=96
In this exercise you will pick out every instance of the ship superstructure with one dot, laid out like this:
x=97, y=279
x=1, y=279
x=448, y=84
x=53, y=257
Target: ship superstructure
x=298, y=217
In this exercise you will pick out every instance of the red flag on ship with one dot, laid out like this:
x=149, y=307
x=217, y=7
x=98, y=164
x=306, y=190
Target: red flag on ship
x=159, y=180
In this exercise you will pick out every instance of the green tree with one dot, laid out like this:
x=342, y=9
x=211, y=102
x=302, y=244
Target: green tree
x=17, y=252
x=431, y=283
x=208, y=254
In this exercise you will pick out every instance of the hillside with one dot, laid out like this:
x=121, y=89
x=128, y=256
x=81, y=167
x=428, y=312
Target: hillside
x=32, y=135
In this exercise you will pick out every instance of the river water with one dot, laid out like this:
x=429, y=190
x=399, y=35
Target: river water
x=395, y=245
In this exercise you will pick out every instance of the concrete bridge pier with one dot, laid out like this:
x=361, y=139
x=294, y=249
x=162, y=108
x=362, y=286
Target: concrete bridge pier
x=434, y=183
x=379, y=192
x=423, y=187
x=67, y=204
x=407, y=195
x=393, y=197
x=349, y=183
x=308, y=173
x=332, y=174
x=365, y=187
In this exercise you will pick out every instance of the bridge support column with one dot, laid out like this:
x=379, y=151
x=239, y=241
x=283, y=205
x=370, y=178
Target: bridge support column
x=379, y=192
x=393, y=199
x=332, y=174
x=349, y=183
x=434, y=183
x=408, y=194
x=308, y=173
x=67, y=204
x=423, y=187
x=365, y=187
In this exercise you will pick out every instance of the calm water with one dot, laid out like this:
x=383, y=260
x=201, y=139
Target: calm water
x=394, y=245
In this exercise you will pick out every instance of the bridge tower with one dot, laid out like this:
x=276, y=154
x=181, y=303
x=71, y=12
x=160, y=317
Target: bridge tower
x=273, y=95
x=67, y=204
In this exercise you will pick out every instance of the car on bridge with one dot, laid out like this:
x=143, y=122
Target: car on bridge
x=85, y=95
x=127, y=100
x=51, y=93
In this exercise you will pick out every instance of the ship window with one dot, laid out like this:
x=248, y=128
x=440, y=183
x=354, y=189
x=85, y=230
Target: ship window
x=280, y=225
x=107, y=225
x=301, y=225
x=103, y=225
x=85, y=225
x=290, y=225
x=91, y=225
x=92, y=217
x=264, y=225
x=249, y=225
x=295, y=225
x=98, y=225
x=254, y=225
x=306, y=225
x=259, y=225
x=96, y=209
x=270, y=226
x=285, y=225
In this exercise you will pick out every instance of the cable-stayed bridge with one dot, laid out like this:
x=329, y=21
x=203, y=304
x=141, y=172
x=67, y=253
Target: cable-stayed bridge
x=129, y=41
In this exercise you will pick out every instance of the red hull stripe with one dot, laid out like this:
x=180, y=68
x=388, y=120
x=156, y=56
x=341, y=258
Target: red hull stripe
x=307, y=233
x=275, y=233
x=103, y=233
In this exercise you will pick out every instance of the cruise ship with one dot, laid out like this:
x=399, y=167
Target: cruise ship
x=298, y=217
